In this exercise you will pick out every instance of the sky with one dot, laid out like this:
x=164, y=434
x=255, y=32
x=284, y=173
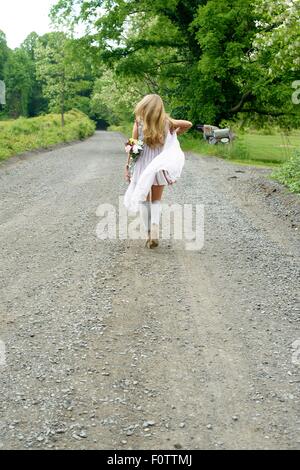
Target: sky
x=18, y=18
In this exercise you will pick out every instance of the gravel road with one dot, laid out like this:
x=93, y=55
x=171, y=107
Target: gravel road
x=113, y=346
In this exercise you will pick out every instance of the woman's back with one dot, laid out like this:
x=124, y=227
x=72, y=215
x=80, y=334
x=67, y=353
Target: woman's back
x=148, y=154
x=141, y=135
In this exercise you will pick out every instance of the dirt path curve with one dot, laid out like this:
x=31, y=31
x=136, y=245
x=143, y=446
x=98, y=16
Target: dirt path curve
x=112, y=346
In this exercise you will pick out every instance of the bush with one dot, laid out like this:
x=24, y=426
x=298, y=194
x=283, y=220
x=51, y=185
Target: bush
x=22, y=135
x=289, y=173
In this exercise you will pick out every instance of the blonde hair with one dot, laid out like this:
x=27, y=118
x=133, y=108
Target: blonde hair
x=152, y=112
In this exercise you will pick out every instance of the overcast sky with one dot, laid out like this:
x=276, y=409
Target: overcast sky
x=18, y=18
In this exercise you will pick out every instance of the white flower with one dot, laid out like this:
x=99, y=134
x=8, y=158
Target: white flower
x=135, y=149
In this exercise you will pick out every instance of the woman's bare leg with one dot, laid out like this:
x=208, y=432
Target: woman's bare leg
x=155, y=198
x=156, y=193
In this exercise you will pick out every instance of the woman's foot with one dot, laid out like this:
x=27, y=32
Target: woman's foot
x=154, y=236
x=148, y=240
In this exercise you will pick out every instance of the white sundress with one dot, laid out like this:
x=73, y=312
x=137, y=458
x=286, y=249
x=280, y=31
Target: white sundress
x=148, y=154
x=162, y=165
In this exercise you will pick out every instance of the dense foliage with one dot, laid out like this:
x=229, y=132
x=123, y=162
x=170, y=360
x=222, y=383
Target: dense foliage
x=289, y=173
x=210, y=59
x=48, y=73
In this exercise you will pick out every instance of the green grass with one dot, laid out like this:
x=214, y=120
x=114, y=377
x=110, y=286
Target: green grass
x=251, y=148
x=272, y=148
x=25, y=134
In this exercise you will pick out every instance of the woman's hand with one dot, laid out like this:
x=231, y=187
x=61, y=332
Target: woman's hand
x=180, y=126
x=177, y=130
x=127, y=174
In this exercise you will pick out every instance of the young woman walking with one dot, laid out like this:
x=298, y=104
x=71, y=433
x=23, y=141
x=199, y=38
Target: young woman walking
x=159, y=164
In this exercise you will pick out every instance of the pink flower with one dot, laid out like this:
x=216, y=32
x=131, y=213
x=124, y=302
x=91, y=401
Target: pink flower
x=128, y=148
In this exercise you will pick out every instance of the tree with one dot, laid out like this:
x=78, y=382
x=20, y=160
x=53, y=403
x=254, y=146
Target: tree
x=139, y=40
x=24, y=95
x=114, y=97
x=4, y=51
x=37, y=103
x=275, y=62
x=205, y=57
x=62, y=71
x=18, y=81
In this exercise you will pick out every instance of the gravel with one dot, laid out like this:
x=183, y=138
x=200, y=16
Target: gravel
x=113, y=346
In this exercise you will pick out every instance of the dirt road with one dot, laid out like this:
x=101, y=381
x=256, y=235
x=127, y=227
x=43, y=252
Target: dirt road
x=113, y=346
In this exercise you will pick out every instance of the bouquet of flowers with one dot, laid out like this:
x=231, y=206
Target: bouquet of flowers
x=134, y=148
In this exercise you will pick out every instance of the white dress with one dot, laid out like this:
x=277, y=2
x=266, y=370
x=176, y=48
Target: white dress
x=161, y=166
x=146, y=157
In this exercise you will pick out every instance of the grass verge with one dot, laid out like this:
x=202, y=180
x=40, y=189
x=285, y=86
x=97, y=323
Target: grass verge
x=25, y=134
x=252, y=148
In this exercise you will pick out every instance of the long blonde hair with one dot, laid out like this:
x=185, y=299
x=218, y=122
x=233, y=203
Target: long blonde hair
x=151, y=111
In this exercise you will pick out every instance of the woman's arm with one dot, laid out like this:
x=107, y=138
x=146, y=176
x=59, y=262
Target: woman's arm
x=134, y=136
x=135, y=132
x=180, y=126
